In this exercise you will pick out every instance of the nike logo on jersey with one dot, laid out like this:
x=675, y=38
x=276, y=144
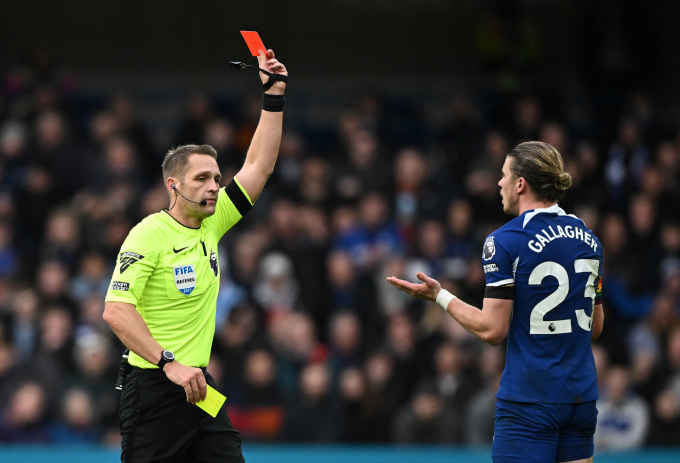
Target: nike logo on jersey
x=180, y=249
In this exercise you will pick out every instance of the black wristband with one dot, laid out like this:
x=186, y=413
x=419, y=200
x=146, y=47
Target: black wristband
x=273, y=103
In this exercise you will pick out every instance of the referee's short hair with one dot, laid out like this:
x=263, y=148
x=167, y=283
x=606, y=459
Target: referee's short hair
x=540, y=164
x=176, y=161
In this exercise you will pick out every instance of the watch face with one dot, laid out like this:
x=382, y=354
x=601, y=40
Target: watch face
x=168, y=356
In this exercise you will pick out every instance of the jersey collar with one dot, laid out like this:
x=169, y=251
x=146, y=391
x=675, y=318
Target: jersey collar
x=171, y=219
x=554, y=209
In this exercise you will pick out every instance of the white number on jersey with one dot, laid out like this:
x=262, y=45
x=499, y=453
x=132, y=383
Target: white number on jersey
x=538, y=324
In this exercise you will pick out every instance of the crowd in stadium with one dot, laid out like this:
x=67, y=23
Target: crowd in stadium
x=311, y=343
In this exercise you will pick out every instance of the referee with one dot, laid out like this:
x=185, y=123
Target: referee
x=161, y=302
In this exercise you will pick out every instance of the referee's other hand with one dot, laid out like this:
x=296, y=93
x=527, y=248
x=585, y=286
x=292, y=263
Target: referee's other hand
x=190, y=378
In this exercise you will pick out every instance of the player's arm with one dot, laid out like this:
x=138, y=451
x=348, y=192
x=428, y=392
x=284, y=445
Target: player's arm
x=132, y=330
x=491, y=324
x=598, y=312
x=264, y=148
x=598, y=321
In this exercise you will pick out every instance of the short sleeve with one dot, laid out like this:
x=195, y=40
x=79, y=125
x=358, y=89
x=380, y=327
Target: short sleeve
x=137, y=260
x=233, y=203
x=497, y=260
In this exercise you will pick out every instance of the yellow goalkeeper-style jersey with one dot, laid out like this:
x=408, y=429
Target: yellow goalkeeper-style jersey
x=170, y=273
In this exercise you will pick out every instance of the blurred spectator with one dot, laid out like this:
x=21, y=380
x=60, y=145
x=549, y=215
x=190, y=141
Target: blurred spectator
x=401, y=343
x=233, y=341
x=365, y=417
x=430, y=247
x=458, y=140
x=257, y=411
x=13, y=157
x=374, y=236
x=310, y=254
x=424, y=419
x=220, y=133
x=644, y=245
x=24, y=323
x=481, y=183
x=131, y=127
x=92, y=277
x=315, y=185
x=38, y=198
x=313, y=415
x=231, y=294
x=413, y=194
x=276, y=289
x=623, y=417
x=482, y=408
x=53, y=285
x=198, y=110
x=62, y=239
x=351, y=290
x=647, y=341
x=52, y=358
x=53, y=148
x=363, y=168
x=76, y=424
x=95, y=368
x=295, y=339
x=344, y=342
x=456, y=385
x=626, y=161
x=23, y=420
x=665, y=426
x=462, y=241
x=9, y=253
x=384, y=385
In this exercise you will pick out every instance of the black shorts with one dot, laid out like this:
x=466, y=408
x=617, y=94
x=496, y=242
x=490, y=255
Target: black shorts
x=159, y=425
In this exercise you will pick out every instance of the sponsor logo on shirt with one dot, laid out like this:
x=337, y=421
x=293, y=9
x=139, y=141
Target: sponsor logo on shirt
x=120, y=286
x=489, y=248
x=490, y=268
x=185, y=278
x=129, y=258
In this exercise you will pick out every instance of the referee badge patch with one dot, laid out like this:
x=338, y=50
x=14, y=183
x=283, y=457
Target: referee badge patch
x=185, y=278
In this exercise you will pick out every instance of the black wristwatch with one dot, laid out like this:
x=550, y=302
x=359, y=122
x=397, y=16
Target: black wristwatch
x=166, y=357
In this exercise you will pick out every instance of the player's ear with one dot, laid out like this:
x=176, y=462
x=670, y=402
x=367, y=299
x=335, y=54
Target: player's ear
x=170, y=182
x=521, y=184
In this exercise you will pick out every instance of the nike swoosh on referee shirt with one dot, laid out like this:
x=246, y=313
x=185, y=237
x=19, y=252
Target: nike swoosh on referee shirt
x=179, y=250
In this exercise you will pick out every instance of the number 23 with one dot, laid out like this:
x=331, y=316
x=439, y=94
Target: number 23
x=538, y=325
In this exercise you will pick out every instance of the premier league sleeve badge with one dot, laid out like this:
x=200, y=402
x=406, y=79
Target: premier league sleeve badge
x=489, y=248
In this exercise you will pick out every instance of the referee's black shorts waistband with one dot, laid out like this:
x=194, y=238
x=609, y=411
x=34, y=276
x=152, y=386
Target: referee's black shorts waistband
x=156, y=371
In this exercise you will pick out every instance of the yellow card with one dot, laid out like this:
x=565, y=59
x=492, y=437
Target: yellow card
x=212, y=403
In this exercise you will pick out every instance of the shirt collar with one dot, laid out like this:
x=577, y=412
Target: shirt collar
x=554, y=209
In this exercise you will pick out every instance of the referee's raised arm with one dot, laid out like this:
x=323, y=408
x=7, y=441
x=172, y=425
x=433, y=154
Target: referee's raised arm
x=264, y=148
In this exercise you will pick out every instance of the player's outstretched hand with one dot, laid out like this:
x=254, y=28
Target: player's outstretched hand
x=268, y=62
x=427, y=290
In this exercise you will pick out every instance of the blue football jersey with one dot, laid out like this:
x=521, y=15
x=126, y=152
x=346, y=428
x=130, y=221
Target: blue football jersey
x=555, y=264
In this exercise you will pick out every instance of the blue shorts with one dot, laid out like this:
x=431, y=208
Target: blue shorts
x=545, y=433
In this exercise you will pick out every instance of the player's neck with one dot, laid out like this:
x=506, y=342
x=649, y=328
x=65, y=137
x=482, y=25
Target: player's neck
x=529, y=204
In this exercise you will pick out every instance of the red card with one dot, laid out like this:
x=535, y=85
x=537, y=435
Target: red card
x=254, y=42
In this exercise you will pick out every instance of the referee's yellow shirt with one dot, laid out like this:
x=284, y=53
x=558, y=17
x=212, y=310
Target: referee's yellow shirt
x=171, y=274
